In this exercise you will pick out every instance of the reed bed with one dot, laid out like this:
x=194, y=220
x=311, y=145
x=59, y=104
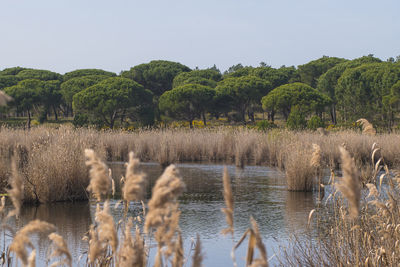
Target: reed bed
x=51, y=161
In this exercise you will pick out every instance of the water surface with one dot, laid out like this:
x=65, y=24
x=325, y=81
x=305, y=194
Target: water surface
x=258, y=191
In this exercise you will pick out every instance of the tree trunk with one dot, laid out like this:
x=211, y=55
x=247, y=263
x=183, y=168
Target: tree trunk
x=55, y=113
x=191, y=124
x=28, y=123
x=204, y=118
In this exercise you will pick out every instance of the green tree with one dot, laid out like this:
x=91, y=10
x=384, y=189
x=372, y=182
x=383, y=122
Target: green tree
x=362, y=91
x=109, y=100
x=43, y=75
x=87, y=72
x=310, y=72
x=156, y=76
x=284, y=97
x=12, y=71
x=187, y=102
x=50, y=97
x=209, y=76
x=7, y=81
x=26, y=94
x=242, y=93
x=75, y=85
x=327, y=82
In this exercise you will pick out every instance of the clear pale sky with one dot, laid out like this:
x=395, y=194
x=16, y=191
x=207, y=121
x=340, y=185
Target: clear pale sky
x=63, y=35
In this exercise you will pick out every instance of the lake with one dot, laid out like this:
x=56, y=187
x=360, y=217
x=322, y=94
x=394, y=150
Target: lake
x=258, y=191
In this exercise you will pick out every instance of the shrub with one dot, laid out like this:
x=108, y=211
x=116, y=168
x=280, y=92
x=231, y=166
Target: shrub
x=80, y=120
x=296, y=119
x=265, y=125
x=315, y=122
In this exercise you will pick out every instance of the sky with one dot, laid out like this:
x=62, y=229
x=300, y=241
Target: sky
x=64, y=35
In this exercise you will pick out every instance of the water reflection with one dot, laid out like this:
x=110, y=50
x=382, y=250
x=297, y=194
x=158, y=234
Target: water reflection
x=258, y=191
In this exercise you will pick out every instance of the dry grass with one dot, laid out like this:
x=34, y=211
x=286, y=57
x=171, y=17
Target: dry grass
x=51, y=161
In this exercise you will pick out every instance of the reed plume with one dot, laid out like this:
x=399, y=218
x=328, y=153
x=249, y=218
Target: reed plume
x=316, y=156
x=164, y=197
x=177, y=261
x=367, y=127
x=133, y=189
x=32, y=259
x=106, y=228
x=263, y=261
x=16, y=193
x=163, y=211
x=132, y=252
x=228, y=196
x=350, y=184
x=96, y=249
x=60, y=249
x=21, y=239
x=99, y=180
x=198, y=255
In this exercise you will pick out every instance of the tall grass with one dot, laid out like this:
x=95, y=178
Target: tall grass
x=51, y=161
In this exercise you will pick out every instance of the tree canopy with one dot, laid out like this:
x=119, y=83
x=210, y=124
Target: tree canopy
x=284, y=97
x=310, y=72
x=25, y=95
x=75, y=85
x=43, y=75
x=187, y=102
x=243, y=91
x=156, y=76
x=207, y=77
x=87, y=72
x=110, y=98
x=360, y=91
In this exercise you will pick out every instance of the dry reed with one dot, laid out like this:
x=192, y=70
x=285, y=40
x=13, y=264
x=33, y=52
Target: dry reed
x=99, y=180
x=134, y=182
x=106, y=227
x=21, y=239
x=163, y=213
x=198, y=255
x=16, y=193
x=350, y=184
x=367, y=127
x=228, y=196
x=51, y=161
x=60, y=249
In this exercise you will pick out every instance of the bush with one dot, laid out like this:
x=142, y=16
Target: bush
x=80, y=120
x=315, y=122
x=296, y=119
x=265, y=125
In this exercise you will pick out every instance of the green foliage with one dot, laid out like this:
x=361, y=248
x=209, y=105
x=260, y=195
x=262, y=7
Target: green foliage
x=187, y=102
x=12, y=71
x=25, y=94
x=306, y=98
x=80, y=120
x=296, y=119
x=361, y=92
x=109, y=99
x=87, y=72
x=156, y=76
x=241, y=92
x=265, y=125
x=75, y=85
x=315, y=122
x=206, y=77
x=43, y=75
x=7, y=81
x=310, y=72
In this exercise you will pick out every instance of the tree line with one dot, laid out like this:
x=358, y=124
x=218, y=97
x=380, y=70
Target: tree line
x=337, y=89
